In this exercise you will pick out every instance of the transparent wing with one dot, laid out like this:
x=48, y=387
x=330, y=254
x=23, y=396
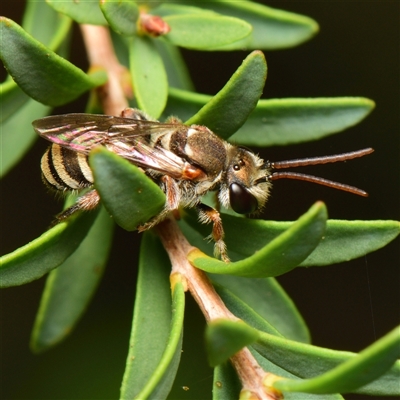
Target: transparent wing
x=123, y=136
x=82, y=132
x=145, y=156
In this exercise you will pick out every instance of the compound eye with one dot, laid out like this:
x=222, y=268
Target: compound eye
x=241, y=200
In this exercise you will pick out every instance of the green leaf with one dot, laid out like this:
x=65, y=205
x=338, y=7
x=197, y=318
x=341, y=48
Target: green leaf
x=353, y=238
x=45, y=253
x=17, y=134
x=307, y=361
x=18, y=110
x=266, y=365
x=267, y=298
x=175, y=67
x=11, y=100
x=126, y=192
x=167, y=9
x=149, y=78
x=226, y=383
x=356, y=372
x=163, y=378
x=228, y=110
x=42, y=74
x=82, y=11
x=272, y=28
x=120, y=45
x=150, y=369
x=243, y=311
x=205, y=31
x=224, y=338
x=70, y=287
x=121, y=15
x=183, y=103
x=279, y=122
x=277, y=257
x=54, y=32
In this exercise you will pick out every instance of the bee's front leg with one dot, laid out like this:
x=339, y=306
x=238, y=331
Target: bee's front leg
x=206, y=215
x=173, y=198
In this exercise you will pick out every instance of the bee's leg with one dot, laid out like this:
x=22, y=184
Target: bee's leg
x=87, y=202
x=173, y=198
x=206, y=215
x=172, y=192
x=217, y=202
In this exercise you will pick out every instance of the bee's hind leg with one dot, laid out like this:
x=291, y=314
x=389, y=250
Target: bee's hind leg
x=173, y=198
x=206, y=215
x=89, y=201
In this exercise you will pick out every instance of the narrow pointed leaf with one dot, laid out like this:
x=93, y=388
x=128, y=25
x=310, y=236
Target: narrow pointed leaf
x=353, y=238
x=45, y=253
x=184, y=103
x=176, y=69
x=149, y=78
x=277, y=257
x=241, y=310
x=367, y=366
x=275, y=369
x=228, y=110
x=54, y=32
x=70, y=287
x=272, y=28
x=163, y=377
x=205, y=31
x=226, y=383
x=82, y=11
x=307, y=361
x=225, y=338
x=156, y=322
x=127, y=193
x=167, y=9
x=268, y=299
x=121, y=15
x=18, y=110
x=121, y=48
x=42, y=74
x=17, y=134
x=11, y=100
x=279, y=122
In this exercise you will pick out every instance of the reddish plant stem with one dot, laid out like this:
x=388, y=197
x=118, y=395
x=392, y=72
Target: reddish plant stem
x=101, y=54
x=196, y=281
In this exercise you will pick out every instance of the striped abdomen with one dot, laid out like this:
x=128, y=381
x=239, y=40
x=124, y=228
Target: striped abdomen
x=65, y=169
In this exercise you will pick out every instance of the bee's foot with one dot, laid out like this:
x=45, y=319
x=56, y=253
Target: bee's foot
x=221, y=251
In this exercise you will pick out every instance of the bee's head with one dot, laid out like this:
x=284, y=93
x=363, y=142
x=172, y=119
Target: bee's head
x=246, y=185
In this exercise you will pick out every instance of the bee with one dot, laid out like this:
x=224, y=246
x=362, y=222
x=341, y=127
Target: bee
x=185, y=161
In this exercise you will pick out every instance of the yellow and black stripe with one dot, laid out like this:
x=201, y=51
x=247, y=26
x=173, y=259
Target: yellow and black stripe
x=65, y=169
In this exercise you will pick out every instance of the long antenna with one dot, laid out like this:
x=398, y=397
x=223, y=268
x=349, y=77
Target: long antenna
x=314, y=161
x=321, y=160
x=320, y=181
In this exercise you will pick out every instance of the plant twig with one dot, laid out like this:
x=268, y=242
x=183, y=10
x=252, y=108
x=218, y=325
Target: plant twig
x=252, y=376
x=101, y=55
x=196, y=281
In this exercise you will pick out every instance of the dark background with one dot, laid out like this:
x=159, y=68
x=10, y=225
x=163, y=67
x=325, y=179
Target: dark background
x=347, y=306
